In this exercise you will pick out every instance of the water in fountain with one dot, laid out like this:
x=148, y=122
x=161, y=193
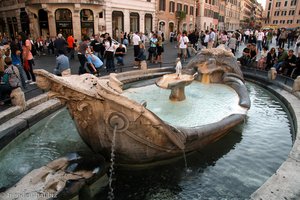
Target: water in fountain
x=49, y=139
x=112, y=160
x=233, y=168
x=204, y=103
x=185, y=162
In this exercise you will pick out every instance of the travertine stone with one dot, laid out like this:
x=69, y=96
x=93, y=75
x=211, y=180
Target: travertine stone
x=18, y=98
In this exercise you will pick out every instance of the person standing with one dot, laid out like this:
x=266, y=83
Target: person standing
x=183, y=44
x=135, y=40
x=83, y=47
x=232, y=43
x=282, y=38
x=27, y=58
x=260, y=36
x=171, y=36
x=16, y=61
x=206, y=38
x=96, y=46
x=71, y=41
x=160, y=49
x=212, y=36
x=152, y=48
x=60, y=44
x=109, y=54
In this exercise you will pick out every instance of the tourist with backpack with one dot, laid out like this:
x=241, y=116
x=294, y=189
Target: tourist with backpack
x=9, y=81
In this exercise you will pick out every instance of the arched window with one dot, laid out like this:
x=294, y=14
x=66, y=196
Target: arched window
x=2, y=25
x=10, y=26
x=87, y=22
x=117, y=23
x=134, y=22
x=148, y=23
x=63, y=18
x=15, y=24
x=24, y=20
x=43, y=21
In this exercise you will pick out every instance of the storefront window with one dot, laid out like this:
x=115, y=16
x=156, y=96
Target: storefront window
x=63, y=18
x=117, y=23
x=134, y=22
x=43, y=22
x=24, y=19
x=2, y=26
x=148, y=23
x=15, y=24
x=10, y=27
x=87, y=22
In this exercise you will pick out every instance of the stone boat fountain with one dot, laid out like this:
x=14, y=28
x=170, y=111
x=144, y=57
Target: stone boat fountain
x=98, y=106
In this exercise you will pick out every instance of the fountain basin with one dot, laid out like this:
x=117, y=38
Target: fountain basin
x=97, y=106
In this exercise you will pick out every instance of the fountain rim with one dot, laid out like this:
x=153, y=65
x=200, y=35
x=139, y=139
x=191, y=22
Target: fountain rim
x=278, y=181
x=284, y=183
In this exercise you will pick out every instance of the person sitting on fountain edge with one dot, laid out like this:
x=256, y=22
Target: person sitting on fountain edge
x=10, y=80
x=245, y=59
x=62, y=64
x=119, y=54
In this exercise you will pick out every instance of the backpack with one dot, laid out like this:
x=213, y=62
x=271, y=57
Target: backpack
x=12, y=78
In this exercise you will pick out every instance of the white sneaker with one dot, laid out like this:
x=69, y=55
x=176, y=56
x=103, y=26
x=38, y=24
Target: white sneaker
x=31, y=83
x=28, y=81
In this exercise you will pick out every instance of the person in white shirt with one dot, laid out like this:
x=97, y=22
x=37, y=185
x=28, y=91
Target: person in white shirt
x=206, y=38
x=247, y=34
x=260, y=37
x=183, y=44
x=135, y=40
x=109, y=54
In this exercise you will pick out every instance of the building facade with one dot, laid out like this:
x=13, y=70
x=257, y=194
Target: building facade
x=176, y=15
x=210, y=14
x=232, y=14
x=282, y=14
x=13, y=17
x=219, y=14
x=84, y=17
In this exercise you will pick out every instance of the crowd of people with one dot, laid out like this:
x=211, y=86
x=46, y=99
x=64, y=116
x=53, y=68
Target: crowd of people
x=259, y=53
x=16, y=65
x=101, y=50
